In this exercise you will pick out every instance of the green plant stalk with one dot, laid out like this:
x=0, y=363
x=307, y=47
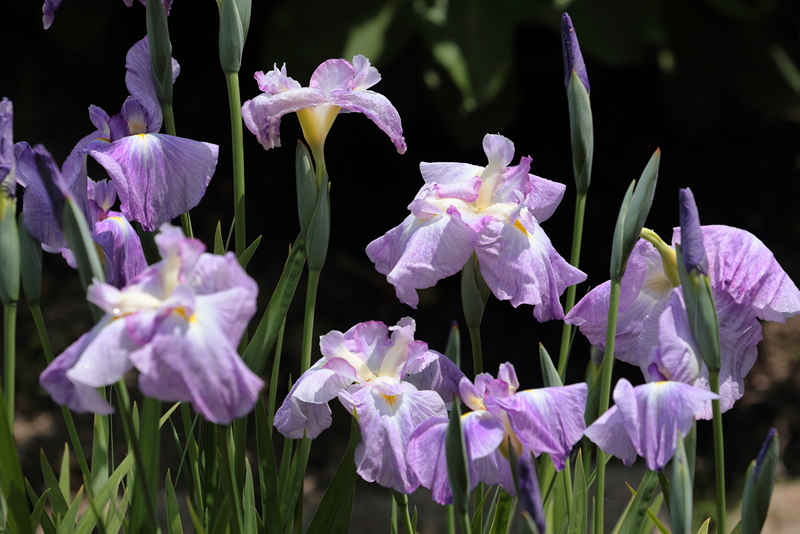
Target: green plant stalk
x=308, y=320
x=574, y=260
x=477, y=352
x=605, y=393
x=169, y=126
x=719, y=452
x=228, y=475
x=273, y=379
x=186, y=418
x=566, y=477
x=210, y=454
x=402, y=505
x=237, y=142
x=451, y=519
x=9, y=333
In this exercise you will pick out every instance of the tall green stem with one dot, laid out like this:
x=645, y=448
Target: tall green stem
x=9, y=333
x=235, y=105
x=402, y=504
x=719, y=453
x=605, y=393
x=308, y=321
x=477, y=351
x=575, y=256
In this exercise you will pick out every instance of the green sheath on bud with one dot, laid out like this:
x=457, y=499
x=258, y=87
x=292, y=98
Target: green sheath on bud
x=9, y=250
x=474, y=292
x=549, y=372
x=701, y=312
x=160, y=50
x=306, y=186
x=234, y=21
x=319, y=229
x=759, y=481
x=581, y=132
x=680, y=494
x=30, y=264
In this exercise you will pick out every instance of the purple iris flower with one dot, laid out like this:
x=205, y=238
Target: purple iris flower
x=336, y=85
x=645, y=420
x=536, y=421
x=747, y=284
x=50, y=6
x=494, y=211
x=120, y=249
x=157, y=176
x=179, y=324
x=393, y=383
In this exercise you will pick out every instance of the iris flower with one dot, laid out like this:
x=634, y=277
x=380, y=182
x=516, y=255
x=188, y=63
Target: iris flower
x=645, y=420
x=337, y=85
x=119, y=246
x=536, y=421
x=157, y=176
x=747, y=284
x=178, y=323
x=494, y=211
x=393, y=383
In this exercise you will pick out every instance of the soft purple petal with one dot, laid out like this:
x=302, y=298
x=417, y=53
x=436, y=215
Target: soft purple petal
x=544, y=197
x=378, y=109
x=449, y=173
x=49, y=12
x=40, y=221
x=742, y=266
x=139, y=81
x=365, y=75
x=295, y=418
x=419, y=253
x=676, y=356
x=323, y=381
x=440, y=375
x=158, y=177
x=483, y=431
x=333, y=75
x=499, y=150
x=104, y=361
x=426, y=457
x=521, y=265
x=529, y=495
x=508, y=374
x=262, y=114
x=608, y=432
x=386, y=424
x=466, y=191
x=123, y=256
x=492, y=470
x=275, y=81
x=546, y=420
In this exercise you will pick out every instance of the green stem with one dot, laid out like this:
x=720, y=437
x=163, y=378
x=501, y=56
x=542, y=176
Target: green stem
x=211, y=472
x=605, y=393
x=273, y=379
x=237, y=140
x=575, y=256
x=451, y=519
x=477, y=352
x=402, y=505
x=193, y=460
x=9, y=331
x=308, y=321
x=719, y=453
x=566, y=476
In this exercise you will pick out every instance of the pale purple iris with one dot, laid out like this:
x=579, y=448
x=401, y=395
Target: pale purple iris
x=536, y=421
x=337, y=85
x=50, y=6
x=120, y=249
x=393, y=383
x=645, y=421
x=652, y=329
x=494, y=211
x=157, y=176
x=178, y=324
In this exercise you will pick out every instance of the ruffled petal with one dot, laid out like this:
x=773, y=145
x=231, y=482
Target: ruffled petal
x=449, y=173
x=544, y=197
x=365, y=75
x=386, y=425
x=378, y=109
x=333, y=75
x=521, y=265
x=419, y=253
x=295, y=418
x=158, y=177
x=262, y=114
x=275, y=81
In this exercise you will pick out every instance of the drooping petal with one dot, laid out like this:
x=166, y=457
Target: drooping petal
x=365, y=75
x=608, y=432
x=676, y=356
x=158, y=177
x=123, y=255
x=40, y=221
x=419, y=253
x=49, y=12
x=742, y=266
x=262, y=115
x=522, y=266
x=378, y=109
x=139, y=81
x=544, y=197
x=295, y=418
x=426, y=457
x=546, y=420
x=386, y=423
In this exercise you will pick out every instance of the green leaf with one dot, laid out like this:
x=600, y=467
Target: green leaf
x=231, y=37
x=549, y=372
x=453, y=348
x=247, y=255
x=333, y=513
x=100, y=465
x=502, y=514
x=219, y=246
x=474, y=292
x=68, y=521
x=249, y=501
x=57, y=500
x=680, y=489
x=577, y=519
x=30, y=259
x=319, y=230
x=257, y=352
x=196, y=522
x=267, y=476
x=639, y=207
x=101, y=498
x=475, y=524
x=290, y=494
x=637, y=511
x=652, y=517
x=457, y=467
x=222, y=517
x=44, y=519
x=116, y=521
x=173, y=515
x=63, y=474
x=704, y=527
x=38, y=507
x=618, y=259
x=306, y=186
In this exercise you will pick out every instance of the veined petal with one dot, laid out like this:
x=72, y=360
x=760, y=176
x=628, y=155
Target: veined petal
x=419, y=253
x=378, y=109
x=262, y=114
x=676, y=356
x=608, y=432
x=158, y=177
x=333, y=346
x=123, y=256
x=365, y=75
x=296, y=418
x=523, y=267
x=332, y=75
x=104, y=360
x=139, y=81
x=275, y=81
x=386, y=425
x=742, y=266
x=499, y=150
x=546, y=420
x=544, y=197
x=40, y=221
x=323, y=381
x=449, y=173
x=439, y=374
x=426, y=457
x=483, y=431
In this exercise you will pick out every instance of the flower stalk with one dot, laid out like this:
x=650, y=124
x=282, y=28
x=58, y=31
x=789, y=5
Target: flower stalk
x=719, y=453
x=574, y=260
x=237, y=140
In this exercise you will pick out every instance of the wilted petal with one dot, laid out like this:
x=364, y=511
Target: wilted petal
x=275, y=81
x=158, y=177
x=378, y=109
x=262, y=114
x=386, y=425
x=419, y=253
x=521, y=265
x=365, y=75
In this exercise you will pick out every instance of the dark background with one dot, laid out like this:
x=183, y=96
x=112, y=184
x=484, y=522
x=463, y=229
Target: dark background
x=712, y=83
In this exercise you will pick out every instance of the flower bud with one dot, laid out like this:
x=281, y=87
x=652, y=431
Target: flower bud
x=160, y=50
x=234, y=21
x=571, y=50
x=694, y=252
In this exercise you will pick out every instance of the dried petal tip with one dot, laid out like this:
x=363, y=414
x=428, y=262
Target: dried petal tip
x=692, y=248
x=573, y=59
